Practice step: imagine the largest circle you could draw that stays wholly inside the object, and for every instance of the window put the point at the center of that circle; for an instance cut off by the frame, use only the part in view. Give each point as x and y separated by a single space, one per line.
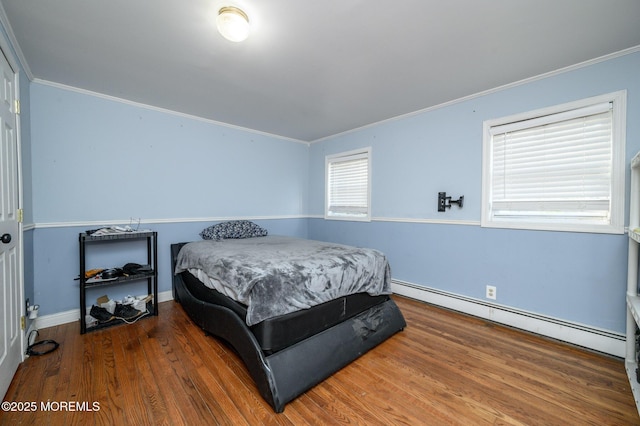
561 168
348 185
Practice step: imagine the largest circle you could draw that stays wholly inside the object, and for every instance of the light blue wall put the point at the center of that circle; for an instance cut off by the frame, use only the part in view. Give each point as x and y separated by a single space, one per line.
572 276
95 159
99 161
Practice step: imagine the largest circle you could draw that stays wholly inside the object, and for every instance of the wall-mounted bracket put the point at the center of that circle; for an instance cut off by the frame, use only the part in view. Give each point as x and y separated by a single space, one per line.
445 202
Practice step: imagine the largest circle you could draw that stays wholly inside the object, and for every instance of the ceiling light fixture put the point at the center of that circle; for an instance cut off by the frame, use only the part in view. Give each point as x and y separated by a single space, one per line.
233 23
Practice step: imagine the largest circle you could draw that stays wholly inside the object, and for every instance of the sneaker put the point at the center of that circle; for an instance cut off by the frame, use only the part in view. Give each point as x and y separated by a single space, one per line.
100 313
146 299
125 312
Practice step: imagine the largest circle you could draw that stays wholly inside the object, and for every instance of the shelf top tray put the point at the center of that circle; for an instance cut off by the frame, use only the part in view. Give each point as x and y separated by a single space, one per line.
117 236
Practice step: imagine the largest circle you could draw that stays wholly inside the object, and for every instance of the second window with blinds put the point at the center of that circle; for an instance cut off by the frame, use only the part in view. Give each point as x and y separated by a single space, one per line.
560 168
348 185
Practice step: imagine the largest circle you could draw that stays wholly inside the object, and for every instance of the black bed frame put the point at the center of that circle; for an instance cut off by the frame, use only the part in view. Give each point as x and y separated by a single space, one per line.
287 373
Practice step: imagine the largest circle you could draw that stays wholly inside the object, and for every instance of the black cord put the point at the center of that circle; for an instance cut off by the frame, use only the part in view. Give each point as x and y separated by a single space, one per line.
31 351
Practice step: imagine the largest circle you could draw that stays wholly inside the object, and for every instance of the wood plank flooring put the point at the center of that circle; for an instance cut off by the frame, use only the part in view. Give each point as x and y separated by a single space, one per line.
443 369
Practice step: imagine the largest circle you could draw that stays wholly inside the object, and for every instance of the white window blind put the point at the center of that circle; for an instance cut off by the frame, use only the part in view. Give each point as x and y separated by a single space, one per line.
557 168
348 185
561 168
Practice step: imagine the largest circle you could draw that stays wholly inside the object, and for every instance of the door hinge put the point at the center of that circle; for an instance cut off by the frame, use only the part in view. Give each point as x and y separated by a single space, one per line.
23 323
20 215
17 105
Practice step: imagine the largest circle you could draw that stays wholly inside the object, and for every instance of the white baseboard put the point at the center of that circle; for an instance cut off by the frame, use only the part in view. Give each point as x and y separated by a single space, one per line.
74 314
577 334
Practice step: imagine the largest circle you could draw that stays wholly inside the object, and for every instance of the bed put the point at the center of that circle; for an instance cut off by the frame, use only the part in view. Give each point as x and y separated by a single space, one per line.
289 339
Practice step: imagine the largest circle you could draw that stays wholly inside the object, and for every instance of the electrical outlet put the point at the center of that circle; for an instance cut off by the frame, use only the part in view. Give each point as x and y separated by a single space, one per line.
491 292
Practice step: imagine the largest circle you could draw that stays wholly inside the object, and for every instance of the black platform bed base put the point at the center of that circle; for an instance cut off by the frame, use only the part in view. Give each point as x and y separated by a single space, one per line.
283 375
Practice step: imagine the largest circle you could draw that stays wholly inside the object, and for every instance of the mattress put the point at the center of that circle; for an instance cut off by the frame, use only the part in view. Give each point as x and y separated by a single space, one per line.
277 275
279 332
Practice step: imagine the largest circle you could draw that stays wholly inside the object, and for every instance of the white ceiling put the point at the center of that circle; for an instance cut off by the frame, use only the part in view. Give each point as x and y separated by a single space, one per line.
311 69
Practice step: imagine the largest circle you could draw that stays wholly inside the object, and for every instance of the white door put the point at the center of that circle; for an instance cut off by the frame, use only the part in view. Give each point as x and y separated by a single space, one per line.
11 336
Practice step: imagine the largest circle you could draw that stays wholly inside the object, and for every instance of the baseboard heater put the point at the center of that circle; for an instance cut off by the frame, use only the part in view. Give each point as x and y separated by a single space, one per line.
578 334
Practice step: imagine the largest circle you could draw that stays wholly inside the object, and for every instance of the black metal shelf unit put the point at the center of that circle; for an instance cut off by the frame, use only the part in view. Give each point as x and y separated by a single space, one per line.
151 277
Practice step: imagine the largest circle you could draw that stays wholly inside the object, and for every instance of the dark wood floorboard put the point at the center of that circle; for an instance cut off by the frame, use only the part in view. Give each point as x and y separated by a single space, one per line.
445 368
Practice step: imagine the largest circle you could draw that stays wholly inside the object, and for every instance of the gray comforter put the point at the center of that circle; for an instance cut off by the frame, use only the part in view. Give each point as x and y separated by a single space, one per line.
275 275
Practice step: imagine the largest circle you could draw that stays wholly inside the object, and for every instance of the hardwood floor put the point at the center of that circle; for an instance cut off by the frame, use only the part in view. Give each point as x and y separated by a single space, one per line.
444 368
